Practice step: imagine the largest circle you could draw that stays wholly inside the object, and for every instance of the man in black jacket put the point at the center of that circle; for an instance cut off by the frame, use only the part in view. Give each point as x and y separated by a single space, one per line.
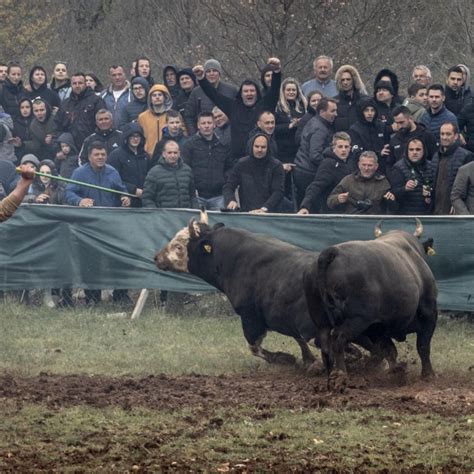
12 90
77 114
244 109
456 94
335 165
210 161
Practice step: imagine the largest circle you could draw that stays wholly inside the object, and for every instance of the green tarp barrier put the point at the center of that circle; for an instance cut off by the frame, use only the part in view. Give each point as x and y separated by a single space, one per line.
62 246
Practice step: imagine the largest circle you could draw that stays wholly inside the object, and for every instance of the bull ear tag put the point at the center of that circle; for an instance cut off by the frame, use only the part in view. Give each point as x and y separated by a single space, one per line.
207 248
431 251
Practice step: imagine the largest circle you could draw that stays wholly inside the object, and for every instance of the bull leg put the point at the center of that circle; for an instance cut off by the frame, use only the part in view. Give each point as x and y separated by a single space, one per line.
306 354
427 323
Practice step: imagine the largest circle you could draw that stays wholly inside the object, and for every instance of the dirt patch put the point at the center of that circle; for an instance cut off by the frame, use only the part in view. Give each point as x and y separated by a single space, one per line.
285 389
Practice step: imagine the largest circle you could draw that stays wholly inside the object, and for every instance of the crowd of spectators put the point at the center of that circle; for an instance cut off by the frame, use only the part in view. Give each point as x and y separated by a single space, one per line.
327 145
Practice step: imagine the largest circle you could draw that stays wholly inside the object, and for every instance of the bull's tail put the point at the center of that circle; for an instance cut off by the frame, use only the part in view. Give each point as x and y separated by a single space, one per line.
333 302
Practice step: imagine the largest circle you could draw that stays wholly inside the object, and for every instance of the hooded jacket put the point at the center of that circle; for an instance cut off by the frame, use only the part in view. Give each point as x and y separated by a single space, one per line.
265 69
153 123
242 117
67 165
182 97
180 139
261 182
7 150
416 109
173 90
456 100
39 130
21 129
132 167
10 96
397 99
47 94
135 107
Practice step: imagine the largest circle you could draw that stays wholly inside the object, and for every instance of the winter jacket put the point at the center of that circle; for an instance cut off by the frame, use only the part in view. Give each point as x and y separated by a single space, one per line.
8 177
107 177
153 123
397 98
77 115
117 106
315 139
170 186
285 136
328 89
48 95
110 138
7 150
63 91
38 132
67 165
329 174
433 122
180 139
173 90
260 181
181 98
132 167
10 96
416 109
273 147
210 161
456 100
399 141
466 122
302 123
346 110
242 117
462 193
360 189
199 102
135 106
412 202
21 129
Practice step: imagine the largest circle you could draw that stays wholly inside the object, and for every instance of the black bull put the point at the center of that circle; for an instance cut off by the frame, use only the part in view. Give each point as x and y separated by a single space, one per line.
371 292
261 276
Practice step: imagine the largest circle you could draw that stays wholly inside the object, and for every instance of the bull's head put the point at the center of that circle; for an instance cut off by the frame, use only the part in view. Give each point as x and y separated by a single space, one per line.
174 256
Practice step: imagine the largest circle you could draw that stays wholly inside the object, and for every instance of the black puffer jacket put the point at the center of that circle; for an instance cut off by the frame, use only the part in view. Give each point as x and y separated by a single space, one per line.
210 161
132 167
346 110
242 117
47 94
260 182
456 101
77 115
412 202
466 121
302 123
10 96
170 186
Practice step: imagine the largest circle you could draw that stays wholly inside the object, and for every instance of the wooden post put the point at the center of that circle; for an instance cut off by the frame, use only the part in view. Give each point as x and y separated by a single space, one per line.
137 311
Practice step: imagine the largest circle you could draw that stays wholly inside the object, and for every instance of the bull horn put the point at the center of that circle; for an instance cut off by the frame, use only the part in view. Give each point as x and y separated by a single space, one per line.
193 229
204 218
378 229
419 228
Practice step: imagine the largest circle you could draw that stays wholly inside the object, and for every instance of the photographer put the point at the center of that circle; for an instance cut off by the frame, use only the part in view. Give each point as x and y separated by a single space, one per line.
363 192
412 180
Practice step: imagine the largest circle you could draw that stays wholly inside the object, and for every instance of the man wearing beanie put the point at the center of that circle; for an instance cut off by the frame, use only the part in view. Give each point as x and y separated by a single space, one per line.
199 102
187 82
383 95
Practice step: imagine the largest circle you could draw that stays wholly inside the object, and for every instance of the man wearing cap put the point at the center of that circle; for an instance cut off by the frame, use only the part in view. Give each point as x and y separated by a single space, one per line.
30 163
199 102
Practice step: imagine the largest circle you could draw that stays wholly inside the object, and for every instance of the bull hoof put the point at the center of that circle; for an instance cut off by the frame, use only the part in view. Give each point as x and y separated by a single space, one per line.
337 381
316 368
352 353
282 358
399 373
428 375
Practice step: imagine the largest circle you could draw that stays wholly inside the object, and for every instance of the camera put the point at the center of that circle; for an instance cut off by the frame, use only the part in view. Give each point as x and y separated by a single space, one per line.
364 205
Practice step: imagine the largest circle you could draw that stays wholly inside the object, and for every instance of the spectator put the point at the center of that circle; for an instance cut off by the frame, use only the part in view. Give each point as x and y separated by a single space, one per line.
466 123
77 114
266 125
47 190
131 161
446 163
142 68
7 148
266 77
316 137
210 162
138 104
407 129
243 110
388 75
421 75
290 108
8 179
170 80
313 100
335 165
104 132
21 128
363 192
60 82
94 83
39 88
3 72
223 129
417 101
170 183
12 90
117 95
369 133
456 94
174 130
466 75
97 172
31 163
322 82
199 102
153 120
384 101
350 89
67 158
462 193
437 112
187 82
260 179
43 130
412 179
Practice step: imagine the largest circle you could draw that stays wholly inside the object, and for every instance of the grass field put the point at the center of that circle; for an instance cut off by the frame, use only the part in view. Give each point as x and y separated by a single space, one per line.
89 390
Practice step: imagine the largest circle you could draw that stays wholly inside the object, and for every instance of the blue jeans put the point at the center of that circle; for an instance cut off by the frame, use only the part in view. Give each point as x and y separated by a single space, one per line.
212 204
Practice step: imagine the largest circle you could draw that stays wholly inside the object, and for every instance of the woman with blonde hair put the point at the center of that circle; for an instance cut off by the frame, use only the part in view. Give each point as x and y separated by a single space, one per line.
351 88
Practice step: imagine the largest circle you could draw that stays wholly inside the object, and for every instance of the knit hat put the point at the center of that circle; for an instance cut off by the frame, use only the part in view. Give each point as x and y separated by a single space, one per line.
30 158
212 64
384 85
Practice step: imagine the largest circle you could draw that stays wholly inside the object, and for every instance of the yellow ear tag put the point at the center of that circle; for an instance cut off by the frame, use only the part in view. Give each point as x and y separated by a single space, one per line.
208 248
431 251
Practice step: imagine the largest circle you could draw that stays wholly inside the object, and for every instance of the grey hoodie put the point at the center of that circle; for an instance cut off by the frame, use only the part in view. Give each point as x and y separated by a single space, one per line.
67 165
